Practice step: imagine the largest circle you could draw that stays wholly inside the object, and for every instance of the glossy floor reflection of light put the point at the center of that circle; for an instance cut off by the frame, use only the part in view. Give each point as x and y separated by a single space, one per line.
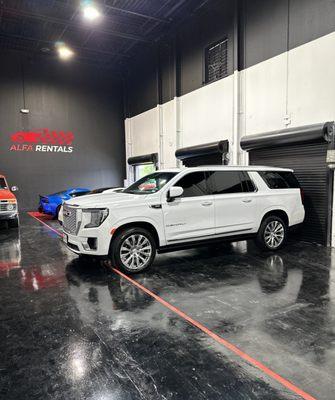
71 329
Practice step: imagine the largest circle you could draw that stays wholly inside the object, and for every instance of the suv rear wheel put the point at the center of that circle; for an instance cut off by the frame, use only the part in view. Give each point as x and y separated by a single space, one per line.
272 233
133 250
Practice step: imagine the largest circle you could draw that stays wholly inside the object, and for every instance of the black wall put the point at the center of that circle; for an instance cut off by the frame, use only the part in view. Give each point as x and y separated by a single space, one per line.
262 29
60 96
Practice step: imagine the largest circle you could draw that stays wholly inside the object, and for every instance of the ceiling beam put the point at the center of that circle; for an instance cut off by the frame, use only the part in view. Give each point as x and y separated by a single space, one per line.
49 42
69 23
137 14
171 10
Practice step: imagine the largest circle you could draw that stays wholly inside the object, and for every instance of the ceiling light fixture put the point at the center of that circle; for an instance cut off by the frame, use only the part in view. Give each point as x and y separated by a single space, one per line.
64 52
90 11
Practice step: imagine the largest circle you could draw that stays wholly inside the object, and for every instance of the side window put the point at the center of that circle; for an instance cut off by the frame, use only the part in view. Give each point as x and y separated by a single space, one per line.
279 179
222 182
194 184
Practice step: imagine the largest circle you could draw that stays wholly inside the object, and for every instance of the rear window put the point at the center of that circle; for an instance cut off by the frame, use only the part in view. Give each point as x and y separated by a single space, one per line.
279 179
222 182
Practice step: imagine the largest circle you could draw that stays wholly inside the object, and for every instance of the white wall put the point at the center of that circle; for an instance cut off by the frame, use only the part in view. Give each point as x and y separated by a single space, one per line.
202 116
265 95
142 136
299 85
311 82
207 113
143 130
169 134
292 89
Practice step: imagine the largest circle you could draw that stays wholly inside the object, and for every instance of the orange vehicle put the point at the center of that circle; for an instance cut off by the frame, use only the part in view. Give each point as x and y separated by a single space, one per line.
8 204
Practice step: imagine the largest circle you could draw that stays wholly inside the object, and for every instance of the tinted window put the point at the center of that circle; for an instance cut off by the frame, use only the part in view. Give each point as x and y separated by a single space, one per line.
194 184
279 179
222 182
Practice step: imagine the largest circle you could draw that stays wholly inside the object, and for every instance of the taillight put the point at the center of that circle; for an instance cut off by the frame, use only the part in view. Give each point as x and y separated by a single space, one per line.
302 194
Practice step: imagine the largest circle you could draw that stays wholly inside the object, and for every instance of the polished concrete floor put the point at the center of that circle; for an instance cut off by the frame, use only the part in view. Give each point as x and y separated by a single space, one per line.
74 330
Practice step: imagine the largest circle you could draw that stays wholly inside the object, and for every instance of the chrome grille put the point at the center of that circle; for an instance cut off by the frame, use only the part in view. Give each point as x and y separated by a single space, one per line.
3 207
70 219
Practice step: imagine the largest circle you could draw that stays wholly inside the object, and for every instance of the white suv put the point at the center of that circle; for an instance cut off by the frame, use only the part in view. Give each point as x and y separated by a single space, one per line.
173 209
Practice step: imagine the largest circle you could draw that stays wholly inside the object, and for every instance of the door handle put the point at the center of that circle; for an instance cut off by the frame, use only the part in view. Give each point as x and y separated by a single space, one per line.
207 203
247 201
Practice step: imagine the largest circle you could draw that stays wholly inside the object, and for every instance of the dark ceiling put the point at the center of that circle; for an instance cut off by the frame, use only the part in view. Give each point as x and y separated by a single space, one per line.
34 26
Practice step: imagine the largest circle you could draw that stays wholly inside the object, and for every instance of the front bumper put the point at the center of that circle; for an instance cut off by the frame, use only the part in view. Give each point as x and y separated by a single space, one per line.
7 215
90 241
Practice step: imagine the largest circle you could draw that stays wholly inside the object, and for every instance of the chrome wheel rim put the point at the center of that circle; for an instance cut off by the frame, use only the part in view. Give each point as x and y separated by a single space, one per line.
274 234
135 252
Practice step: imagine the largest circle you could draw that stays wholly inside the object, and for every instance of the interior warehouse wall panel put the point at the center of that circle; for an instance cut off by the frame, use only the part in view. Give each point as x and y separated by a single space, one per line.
144 133
309 163
71 98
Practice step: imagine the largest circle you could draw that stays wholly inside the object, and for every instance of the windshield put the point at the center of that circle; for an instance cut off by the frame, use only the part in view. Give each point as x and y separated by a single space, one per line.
151 183
3 184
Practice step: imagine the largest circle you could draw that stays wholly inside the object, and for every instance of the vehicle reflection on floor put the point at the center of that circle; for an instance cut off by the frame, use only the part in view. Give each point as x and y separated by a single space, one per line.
72 329
10 250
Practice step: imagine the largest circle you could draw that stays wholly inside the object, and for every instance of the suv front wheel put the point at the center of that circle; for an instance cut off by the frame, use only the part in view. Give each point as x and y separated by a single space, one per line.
272 233
133 250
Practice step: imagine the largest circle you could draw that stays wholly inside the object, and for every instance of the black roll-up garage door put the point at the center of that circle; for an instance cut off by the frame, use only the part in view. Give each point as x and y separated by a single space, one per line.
204 154
306 155
151 158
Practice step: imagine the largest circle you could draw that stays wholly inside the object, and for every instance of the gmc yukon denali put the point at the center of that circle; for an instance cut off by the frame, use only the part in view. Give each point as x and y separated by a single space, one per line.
174 209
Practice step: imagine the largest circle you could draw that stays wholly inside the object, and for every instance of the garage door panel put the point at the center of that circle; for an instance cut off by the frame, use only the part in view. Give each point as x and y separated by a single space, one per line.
309 163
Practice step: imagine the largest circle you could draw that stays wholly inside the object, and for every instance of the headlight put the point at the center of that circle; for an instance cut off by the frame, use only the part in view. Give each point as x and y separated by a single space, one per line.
96 215
10 207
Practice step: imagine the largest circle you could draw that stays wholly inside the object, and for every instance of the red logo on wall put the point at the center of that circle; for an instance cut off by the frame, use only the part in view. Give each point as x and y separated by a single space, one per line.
42 140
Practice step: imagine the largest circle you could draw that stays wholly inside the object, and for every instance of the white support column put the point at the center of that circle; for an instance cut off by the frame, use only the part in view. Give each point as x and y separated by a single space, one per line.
235 142
242 155
333 216
161 158
239 157
129 149
179 125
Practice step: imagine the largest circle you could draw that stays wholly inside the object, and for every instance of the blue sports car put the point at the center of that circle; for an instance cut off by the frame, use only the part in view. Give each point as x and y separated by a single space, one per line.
51 203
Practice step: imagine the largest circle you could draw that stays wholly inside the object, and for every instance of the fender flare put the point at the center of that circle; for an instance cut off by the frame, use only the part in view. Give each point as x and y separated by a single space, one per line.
126 221
274 208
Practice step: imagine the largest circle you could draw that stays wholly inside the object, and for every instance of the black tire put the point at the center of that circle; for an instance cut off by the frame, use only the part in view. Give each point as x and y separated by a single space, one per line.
129 235
55 217
264 239
13 223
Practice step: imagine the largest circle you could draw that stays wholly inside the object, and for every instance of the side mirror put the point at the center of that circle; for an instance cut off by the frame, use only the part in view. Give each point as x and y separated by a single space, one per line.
14 189
174 192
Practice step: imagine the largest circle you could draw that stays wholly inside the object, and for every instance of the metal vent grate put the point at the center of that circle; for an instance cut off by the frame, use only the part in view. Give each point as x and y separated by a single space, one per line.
70 219
216 62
